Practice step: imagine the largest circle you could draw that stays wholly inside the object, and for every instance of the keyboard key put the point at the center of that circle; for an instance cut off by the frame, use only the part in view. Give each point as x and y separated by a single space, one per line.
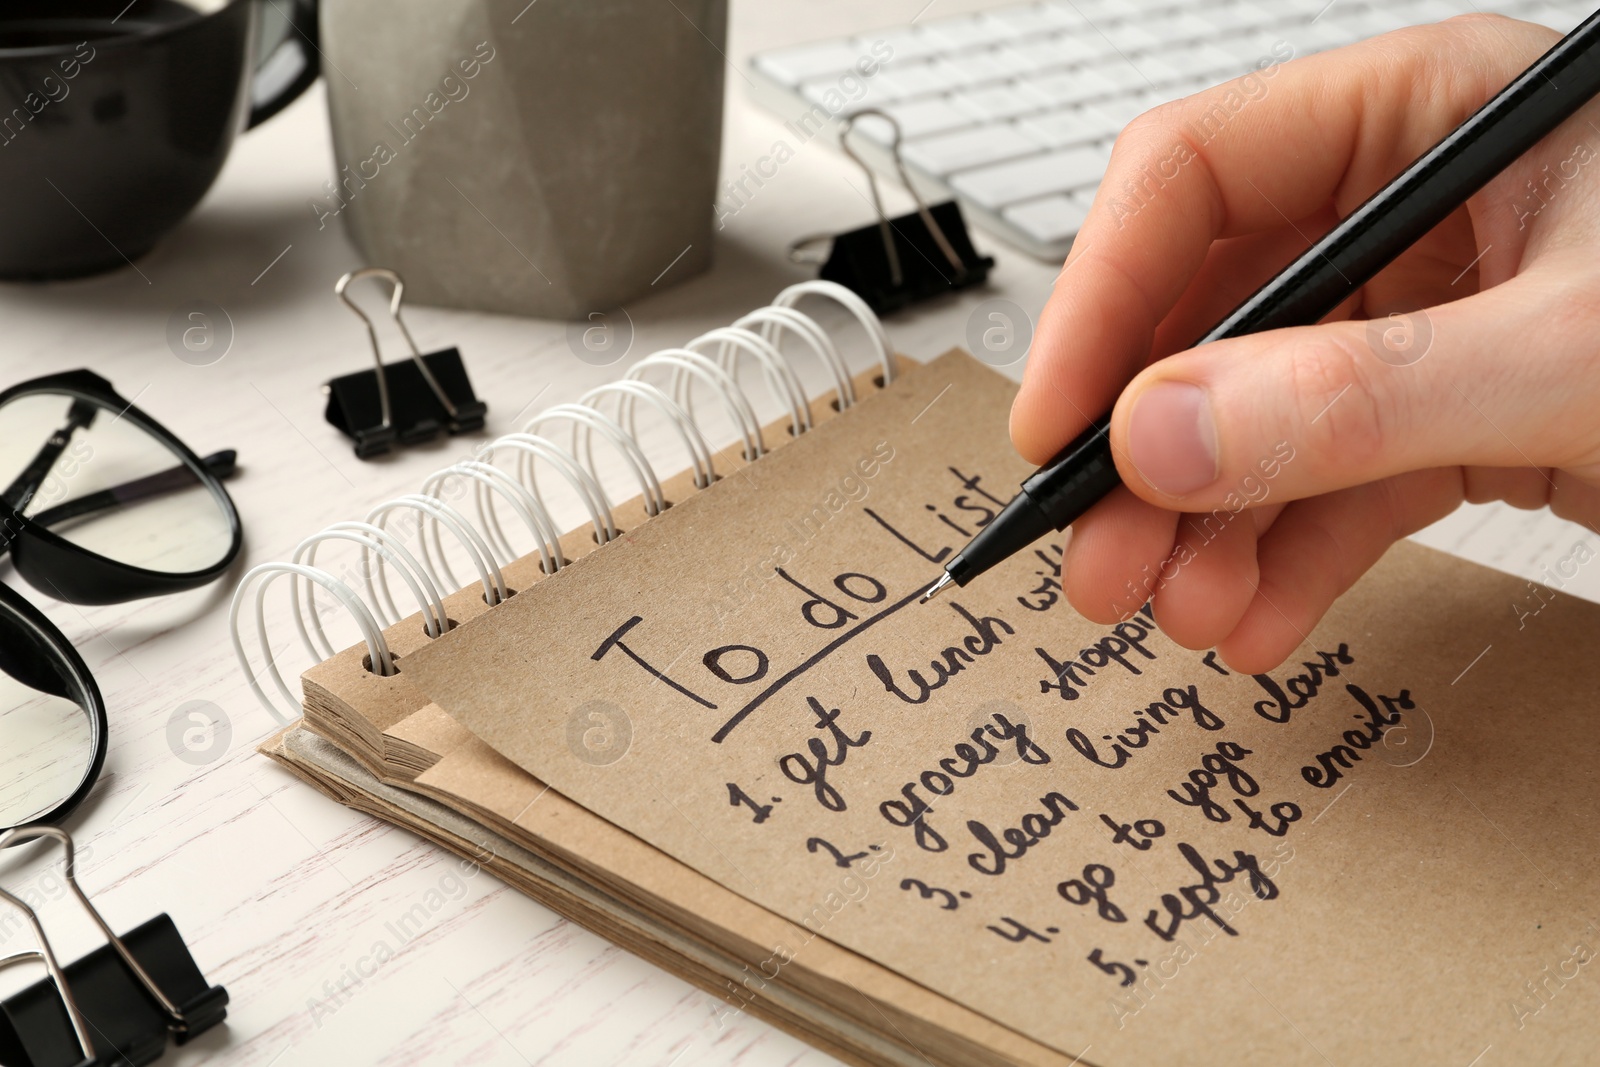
1024 179
1186 89
906 81
973 68
1232 18
1150 7
996 103
1438 10
1076 15
1034 19
905 44
917 118
1074 86
1063 50
1122 73
791 66
1048 220
1298 12
1158 73
1405 9
1369 22
827 92
1150 99
1102 12
1251 51
1020 62
1132 38
968 31
1286 15
1122 109
1200 61
950 152
1322 36
1178 28
1070 126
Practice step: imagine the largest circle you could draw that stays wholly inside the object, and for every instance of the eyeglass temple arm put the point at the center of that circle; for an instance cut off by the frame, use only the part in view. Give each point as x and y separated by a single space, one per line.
221 464
80 415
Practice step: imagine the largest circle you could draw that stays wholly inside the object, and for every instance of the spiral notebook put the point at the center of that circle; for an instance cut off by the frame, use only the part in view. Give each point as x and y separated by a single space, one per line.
985 830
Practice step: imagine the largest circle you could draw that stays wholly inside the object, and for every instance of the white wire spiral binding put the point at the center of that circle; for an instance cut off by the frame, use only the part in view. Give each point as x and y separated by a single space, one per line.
371 538
437 511
488 482
530 447
377 648
421 561
685 364
627 391
590 420
775 319
851 303
779 372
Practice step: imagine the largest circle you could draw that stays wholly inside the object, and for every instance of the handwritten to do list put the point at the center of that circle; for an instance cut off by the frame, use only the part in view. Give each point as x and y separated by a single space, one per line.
1086 832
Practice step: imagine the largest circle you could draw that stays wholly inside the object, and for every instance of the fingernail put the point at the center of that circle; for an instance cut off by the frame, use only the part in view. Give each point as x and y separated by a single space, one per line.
1172 438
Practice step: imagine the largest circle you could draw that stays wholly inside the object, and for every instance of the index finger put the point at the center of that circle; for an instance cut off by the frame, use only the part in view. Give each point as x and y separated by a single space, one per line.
1250 155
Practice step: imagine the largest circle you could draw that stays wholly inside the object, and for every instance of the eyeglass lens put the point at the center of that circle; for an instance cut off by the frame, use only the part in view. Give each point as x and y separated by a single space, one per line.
102 482
46 737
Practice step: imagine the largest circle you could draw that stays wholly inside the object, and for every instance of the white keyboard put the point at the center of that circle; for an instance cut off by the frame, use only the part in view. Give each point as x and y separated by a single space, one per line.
1012 111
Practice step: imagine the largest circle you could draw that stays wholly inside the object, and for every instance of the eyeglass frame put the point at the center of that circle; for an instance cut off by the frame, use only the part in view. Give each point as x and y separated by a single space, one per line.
88 577
76 575
17 615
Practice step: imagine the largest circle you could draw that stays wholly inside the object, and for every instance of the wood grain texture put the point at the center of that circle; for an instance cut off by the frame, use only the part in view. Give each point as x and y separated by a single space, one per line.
277 890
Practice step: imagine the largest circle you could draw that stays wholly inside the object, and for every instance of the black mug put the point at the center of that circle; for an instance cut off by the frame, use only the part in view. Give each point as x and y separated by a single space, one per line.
116 117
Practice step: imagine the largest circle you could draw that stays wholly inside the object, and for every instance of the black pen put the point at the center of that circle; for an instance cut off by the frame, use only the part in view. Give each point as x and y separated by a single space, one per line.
1392 220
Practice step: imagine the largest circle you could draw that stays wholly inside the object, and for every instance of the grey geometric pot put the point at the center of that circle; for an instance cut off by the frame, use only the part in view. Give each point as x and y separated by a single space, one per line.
547 159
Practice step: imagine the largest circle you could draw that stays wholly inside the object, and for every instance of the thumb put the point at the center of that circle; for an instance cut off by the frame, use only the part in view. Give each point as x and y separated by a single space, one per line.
1301 412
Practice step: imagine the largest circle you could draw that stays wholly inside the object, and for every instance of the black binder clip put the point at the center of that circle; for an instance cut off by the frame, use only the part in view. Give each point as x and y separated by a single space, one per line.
403 403
116 1005
899 261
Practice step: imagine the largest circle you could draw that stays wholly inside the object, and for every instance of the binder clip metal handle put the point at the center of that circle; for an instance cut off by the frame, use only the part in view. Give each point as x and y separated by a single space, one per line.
406 402
118 1004
896 275
900 264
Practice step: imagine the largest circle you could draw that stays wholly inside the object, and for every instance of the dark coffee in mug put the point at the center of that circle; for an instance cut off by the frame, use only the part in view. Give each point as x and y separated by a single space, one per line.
115 117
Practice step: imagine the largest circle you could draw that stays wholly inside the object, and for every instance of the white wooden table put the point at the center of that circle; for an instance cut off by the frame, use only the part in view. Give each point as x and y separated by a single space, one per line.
283 896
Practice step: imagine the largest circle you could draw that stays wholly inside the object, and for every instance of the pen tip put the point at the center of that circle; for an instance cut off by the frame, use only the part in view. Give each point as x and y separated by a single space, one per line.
933 590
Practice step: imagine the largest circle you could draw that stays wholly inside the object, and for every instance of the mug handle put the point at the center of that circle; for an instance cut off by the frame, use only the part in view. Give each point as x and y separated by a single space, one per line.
289 63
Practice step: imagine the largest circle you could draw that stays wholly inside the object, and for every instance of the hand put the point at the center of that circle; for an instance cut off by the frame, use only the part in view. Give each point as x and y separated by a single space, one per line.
1265 474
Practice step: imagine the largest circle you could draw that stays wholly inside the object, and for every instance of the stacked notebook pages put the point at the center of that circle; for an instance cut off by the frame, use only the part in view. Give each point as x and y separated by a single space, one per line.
374 743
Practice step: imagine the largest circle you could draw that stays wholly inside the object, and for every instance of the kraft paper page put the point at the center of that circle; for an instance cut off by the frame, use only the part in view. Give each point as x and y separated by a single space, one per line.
1087 833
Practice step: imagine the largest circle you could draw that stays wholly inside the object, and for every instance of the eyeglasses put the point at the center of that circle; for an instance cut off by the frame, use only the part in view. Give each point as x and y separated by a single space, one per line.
99 504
